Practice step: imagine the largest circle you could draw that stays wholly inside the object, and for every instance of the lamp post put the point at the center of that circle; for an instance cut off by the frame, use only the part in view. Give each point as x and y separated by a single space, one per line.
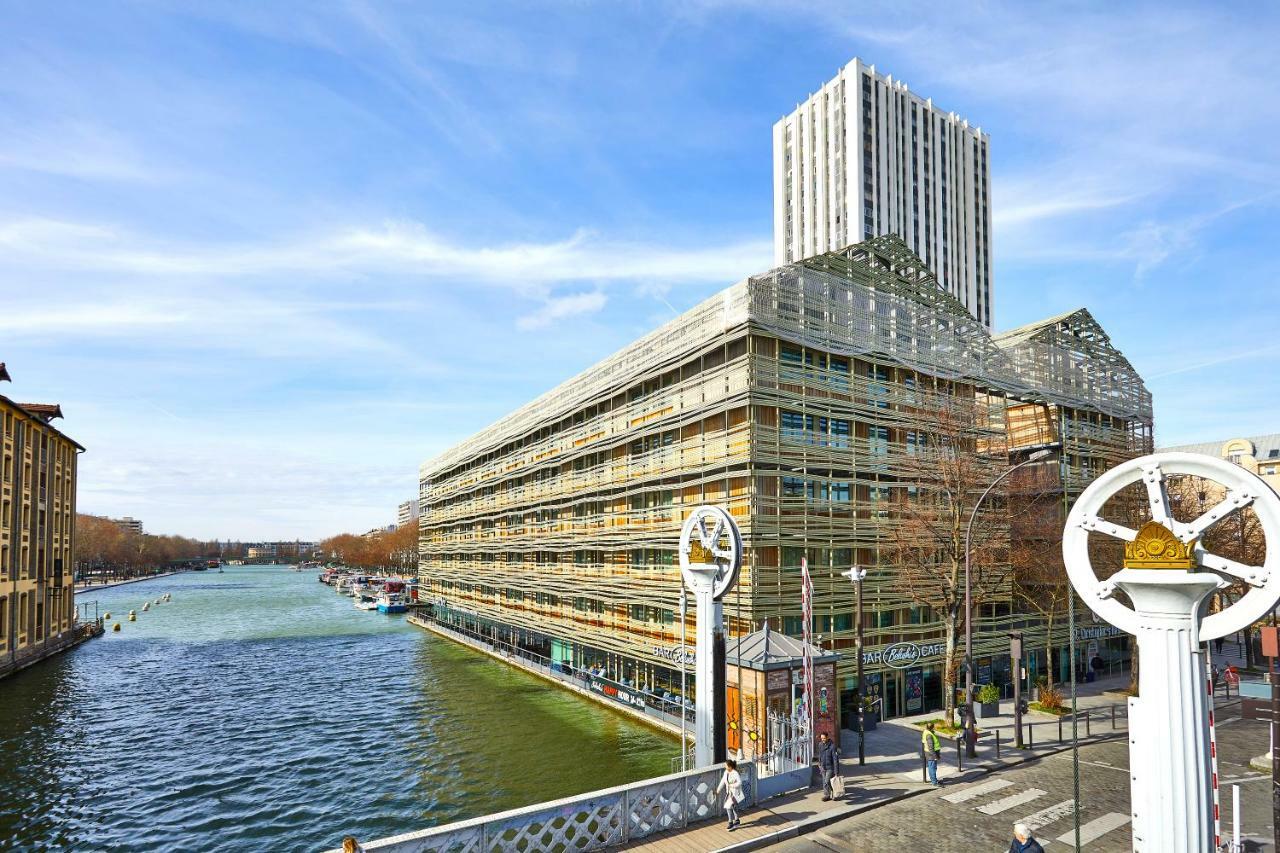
684 684
970 743
857 575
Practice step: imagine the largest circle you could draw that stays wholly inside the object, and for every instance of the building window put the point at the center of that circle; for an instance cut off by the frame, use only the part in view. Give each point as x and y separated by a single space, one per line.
1235 457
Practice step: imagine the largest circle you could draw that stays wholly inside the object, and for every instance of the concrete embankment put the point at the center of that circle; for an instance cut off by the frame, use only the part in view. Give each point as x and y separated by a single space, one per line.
97 586
666 723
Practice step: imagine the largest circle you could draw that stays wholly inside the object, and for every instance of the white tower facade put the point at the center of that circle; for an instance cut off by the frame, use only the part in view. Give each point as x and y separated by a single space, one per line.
865 156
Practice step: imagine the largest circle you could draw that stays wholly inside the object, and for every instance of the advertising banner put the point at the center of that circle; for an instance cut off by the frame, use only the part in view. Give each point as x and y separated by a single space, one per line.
915 690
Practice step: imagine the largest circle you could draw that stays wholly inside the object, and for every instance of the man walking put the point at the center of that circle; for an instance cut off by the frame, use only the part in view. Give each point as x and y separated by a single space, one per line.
932 748
1022 840
828 763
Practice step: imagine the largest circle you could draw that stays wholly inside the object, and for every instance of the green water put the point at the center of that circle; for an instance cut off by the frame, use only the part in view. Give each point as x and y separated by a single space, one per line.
260 711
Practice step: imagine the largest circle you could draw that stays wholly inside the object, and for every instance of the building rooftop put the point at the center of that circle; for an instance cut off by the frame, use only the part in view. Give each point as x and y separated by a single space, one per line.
766 649
45 411
1264 446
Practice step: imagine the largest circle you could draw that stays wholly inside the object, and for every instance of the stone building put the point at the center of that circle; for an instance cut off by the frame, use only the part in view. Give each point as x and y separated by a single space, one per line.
37 533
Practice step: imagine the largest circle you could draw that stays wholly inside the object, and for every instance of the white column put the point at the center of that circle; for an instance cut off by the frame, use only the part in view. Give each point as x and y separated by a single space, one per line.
1170 775
704 718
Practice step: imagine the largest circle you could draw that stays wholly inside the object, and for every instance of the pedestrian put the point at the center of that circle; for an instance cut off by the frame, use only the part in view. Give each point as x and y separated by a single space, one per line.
731 784
932 748
828 763
1217 645
350 845
1022 840
1098 665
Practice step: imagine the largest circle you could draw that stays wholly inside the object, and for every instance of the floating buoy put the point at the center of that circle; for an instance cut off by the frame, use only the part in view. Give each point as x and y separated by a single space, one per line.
115 627
146 605
158 600
133 617
106 615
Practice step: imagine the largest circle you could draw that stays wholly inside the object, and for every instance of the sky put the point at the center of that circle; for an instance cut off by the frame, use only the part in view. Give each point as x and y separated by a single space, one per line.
271 257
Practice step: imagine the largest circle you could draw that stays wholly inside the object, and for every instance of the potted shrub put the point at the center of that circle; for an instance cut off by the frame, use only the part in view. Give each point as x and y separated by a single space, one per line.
988 702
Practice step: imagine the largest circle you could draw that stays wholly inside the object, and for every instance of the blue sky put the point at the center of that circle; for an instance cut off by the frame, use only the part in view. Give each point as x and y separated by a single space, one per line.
270 257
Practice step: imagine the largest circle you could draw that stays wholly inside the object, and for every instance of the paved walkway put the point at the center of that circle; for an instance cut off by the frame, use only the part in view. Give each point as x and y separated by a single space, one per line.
93 587
892 772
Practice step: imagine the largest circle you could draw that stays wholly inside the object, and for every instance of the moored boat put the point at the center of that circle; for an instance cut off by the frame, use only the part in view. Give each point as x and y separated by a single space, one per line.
392 602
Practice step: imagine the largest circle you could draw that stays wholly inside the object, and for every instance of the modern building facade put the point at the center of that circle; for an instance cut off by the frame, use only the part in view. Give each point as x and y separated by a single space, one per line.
865 156
804 401
1259 454
407 513
129 524
37 532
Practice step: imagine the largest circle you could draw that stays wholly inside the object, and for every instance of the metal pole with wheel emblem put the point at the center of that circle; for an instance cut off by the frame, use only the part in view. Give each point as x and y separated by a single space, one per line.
710 558
1167 575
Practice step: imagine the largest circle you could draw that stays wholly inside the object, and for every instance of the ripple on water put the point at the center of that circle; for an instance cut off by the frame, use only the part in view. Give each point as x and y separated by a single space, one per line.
259 710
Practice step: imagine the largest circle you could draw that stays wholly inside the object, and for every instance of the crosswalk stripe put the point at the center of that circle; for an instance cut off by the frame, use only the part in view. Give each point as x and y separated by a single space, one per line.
977 791
1095 828
1006 803
1044 817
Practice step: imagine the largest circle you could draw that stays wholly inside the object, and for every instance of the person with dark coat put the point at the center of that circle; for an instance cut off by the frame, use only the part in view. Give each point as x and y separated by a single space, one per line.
828 763
1022 840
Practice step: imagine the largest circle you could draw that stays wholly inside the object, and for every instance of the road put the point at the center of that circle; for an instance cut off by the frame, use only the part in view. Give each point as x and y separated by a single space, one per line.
978 817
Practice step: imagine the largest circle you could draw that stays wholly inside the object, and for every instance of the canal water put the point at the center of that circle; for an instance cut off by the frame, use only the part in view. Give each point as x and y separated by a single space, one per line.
258 710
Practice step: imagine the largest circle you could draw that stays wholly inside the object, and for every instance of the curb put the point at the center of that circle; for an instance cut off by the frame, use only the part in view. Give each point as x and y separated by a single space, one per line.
823 819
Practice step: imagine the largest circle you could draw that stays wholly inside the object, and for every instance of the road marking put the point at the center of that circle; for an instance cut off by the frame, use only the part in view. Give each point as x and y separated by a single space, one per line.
1044 817
1101 764
1227 721
977 791
1247 778
1006 803
1095 828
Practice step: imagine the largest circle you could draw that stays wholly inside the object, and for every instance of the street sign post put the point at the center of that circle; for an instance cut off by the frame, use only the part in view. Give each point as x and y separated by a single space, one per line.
1167 574
710 558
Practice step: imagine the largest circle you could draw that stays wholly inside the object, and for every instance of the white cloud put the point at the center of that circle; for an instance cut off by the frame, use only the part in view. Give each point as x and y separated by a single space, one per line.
559 307
398 246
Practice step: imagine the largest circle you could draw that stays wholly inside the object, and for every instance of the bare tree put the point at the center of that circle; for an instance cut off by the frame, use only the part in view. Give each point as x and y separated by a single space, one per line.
1040 582
954 454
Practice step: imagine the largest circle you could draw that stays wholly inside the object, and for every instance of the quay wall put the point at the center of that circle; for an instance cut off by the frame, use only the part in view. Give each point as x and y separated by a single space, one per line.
665 723
27 656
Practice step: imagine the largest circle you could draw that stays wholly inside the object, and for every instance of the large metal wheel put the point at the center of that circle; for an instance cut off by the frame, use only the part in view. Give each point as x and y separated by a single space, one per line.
1241 489
715 530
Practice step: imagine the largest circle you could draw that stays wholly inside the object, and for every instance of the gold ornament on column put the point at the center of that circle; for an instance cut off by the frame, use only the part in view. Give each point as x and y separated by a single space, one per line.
1155 547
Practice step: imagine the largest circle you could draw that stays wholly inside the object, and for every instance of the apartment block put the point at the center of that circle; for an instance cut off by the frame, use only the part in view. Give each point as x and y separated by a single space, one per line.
865 156
37 532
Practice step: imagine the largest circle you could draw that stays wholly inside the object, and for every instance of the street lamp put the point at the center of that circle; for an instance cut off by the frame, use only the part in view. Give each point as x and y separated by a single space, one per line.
970 742
857 575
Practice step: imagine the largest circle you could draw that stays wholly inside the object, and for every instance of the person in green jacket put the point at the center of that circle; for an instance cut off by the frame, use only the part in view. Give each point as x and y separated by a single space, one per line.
932 748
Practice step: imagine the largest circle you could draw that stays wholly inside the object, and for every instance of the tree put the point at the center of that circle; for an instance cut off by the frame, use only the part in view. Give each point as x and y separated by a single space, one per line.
1036 521
957 452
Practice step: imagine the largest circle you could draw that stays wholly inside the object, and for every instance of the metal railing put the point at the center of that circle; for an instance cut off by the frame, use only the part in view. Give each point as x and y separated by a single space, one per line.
790 745
590 821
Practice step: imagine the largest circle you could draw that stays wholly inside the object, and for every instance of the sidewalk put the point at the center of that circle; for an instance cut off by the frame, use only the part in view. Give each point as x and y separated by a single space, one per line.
93 587
892 772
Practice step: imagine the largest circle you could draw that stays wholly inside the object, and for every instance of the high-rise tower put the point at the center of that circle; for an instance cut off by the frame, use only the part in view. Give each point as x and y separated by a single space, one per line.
865 156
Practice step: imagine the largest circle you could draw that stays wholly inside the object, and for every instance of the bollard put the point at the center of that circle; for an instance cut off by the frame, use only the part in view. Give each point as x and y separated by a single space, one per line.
959 754
1059 729
1113 717
997 743
1031 735
924 765
1086 724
